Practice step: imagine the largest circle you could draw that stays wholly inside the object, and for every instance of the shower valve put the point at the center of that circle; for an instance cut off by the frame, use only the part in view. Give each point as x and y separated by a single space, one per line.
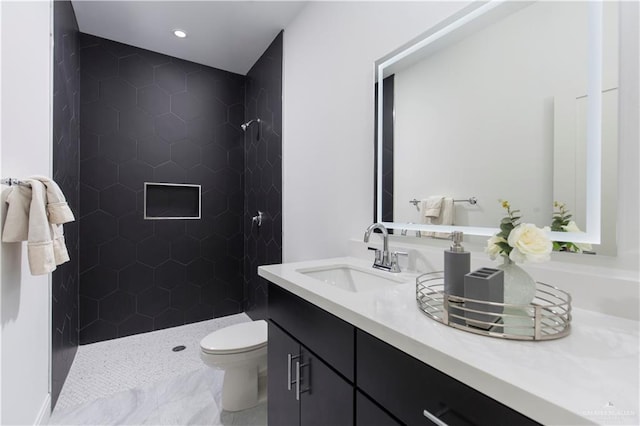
257 219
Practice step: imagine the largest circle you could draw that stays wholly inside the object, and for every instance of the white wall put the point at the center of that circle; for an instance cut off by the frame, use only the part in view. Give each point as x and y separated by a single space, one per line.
328 124
629 150
329 51
25 144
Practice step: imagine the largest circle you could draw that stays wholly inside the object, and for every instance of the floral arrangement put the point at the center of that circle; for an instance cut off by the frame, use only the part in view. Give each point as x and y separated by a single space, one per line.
519 242
562 223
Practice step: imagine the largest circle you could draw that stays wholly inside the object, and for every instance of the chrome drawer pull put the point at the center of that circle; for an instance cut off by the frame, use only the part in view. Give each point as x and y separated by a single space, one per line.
298 391
289 359
433 418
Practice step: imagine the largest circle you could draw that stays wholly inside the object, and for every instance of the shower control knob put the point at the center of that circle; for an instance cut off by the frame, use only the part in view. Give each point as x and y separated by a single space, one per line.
257 219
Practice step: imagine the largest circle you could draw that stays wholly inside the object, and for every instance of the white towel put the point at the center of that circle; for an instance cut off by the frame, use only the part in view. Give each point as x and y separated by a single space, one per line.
57 208
430 207
445 218
60 253
29 217
42 259
16 223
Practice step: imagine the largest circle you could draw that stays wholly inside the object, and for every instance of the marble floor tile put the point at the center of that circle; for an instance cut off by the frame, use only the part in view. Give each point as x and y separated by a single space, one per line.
188 394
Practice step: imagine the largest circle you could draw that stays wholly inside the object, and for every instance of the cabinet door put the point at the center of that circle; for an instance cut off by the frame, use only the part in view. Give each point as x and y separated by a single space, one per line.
283 408
369 414
325 398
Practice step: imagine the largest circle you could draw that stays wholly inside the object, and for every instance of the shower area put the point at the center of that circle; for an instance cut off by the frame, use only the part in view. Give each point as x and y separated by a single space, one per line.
125 116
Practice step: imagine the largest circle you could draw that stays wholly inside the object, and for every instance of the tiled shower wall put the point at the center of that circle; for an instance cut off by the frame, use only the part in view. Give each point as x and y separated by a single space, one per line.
263 173
147 117
66 162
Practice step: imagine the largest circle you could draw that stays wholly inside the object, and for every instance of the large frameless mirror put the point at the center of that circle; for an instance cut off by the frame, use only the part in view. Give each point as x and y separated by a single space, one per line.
506 100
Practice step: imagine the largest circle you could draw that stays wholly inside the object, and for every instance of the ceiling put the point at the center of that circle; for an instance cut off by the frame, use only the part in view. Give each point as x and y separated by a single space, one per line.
229 35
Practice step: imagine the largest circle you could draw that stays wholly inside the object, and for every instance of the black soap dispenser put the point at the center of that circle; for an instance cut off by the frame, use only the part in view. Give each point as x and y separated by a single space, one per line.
457 263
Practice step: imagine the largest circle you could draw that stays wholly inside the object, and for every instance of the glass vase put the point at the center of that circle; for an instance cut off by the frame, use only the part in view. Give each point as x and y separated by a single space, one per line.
519 289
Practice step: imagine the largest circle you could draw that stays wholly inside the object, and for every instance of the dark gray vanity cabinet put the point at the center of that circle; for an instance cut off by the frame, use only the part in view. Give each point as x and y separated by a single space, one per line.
303 389
348 377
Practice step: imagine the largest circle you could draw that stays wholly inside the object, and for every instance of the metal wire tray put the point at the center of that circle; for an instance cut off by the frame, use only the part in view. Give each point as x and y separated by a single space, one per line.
547 317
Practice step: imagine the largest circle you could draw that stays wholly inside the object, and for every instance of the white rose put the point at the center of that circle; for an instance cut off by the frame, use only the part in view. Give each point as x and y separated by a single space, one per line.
572 226
493 249
529 243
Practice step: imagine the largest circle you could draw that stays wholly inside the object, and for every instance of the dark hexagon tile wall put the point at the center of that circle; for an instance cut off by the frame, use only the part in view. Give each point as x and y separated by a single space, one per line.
151 117
263 174
66 162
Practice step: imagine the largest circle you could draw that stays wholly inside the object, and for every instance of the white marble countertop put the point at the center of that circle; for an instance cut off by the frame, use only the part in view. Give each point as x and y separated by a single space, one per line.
588 377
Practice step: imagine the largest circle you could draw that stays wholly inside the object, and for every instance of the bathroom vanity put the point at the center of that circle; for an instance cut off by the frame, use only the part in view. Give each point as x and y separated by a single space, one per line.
352 355
316 361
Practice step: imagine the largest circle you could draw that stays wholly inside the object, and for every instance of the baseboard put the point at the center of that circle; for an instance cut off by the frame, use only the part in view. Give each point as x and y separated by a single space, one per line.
45 412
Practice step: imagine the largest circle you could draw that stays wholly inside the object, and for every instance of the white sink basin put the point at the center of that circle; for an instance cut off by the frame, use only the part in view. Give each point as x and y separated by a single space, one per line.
353 278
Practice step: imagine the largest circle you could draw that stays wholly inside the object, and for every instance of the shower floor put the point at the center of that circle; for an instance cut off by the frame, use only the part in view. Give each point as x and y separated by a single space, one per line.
140 380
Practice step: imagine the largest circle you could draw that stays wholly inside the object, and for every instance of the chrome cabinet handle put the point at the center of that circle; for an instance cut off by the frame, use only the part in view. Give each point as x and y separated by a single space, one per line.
298 391
433 418
289 359
297 380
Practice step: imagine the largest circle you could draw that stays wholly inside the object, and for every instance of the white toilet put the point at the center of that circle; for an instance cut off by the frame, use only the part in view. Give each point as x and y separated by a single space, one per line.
241 351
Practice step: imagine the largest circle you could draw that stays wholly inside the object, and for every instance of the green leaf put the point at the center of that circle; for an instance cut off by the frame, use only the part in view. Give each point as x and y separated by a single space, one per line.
506 227
505 247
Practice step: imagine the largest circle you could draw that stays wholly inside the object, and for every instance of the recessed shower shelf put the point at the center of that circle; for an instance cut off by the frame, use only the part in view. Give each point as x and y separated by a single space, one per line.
547 317
171 201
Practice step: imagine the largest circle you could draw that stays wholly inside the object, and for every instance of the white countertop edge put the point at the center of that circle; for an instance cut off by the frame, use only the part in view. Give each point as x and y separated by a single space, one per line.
522 400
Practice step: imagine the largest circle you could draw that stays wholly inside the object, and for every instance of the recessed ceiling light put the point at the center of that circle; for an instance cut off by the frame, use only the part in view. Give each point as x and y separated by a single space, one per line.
179 33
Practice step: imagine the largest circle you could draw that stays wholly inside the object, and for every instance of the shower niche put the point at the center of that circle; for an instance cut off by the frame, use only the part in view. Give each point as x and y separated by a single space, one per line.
171 201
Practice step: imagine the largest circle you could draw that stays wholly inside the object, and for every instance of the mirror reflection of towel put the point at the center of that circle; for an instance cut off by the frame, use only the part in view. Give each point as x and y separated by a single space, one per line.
430 207
444 218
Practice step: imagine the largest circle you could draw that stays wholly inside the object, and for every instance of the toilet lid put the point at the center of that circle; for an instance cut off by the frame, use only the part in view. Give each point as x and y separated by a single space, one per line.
236 338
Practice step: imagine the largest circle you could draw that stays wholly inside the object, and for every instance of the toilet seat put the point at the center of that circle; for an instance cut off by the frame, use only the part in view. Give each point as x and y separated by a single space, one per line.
238 338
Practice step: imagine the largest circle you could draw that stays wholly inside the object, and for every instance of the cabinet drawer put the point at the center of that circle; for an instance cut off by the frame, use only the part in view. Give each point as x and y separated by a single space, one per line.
326 335
369 414
407 387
